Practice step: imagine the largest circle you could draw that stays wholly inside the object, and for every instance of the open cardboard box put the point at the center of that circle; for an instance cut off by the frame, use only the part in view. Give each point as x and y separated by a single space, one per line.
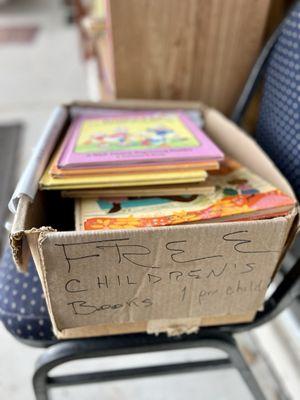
169 279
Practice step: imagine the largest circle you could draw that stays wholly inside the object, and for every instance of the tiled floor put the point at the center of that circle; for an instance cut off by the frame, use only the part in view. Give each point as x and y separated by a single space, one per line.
34 77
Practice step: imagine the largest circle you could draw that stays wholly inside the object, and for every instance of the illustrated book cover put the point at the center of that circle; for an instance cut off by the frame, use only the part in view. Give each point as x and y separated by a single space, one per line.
136 138
240 194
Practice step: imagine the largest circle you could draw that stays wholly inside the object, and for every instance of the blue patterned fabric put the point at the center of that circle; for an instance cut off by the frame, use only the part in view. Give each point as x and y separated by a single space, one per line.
278 130
23 309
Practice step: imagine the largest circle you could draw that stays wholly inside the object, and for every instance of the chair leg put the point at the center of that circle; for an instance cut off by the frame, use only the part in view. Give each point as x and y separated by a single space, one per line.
50 358
243 368
39 383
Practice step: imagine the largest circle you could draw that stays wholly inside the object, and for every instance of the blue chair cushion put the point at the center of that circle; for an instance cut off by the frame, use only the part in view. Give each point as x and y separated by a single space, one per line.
23 309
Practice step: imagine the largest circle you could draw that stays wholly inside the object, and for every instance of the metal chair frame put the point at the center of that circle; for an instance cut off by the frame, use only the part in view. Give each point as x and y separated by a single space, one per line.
221 337
134 344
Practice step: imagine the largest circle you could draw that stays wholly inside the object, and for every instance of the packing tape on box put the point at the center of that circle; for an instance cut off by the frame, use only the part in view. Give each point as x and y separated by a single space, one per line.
29 181
174 327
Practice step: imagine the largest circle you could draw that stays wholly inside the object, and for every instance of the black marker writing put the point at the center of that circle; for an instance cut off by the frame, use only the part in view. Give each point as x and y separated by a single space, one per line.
217 274
183 294
249 268
69 285
176 251
140 250
241 242
81 307
68 259
129 252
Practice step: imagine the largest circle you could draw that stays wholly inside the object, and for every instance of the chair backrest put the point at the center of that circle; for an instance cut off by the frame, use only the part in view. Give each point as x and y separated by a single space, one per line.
278 132
278 129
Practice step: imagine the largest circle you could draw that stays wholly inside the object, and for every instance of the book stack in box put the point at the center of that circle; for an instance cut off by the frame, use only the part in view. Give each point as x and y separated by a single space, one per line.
134 169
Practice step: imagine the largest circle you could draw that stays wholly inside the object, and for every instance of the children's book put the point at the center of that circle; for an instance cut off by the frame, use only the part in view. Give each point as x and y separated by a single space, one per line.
180 166
142 191
47 181
240 195
176 166
136 138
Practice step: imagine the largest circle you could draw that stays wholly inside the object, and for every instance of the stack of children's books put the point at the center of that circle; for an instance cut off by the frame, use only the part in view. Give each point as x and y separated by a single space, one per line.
134 169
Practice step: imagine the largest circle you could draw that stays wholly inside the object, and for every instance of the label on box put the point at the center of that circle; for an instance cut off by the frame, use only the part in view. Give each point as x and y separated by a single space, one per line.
160 273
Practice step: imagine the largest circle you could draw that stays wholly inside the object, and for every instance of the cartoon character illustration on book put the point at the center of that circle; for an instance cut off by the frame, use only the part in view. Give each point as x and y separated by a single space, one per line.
122 137
240 194
112 206
239 186
173 131
101 139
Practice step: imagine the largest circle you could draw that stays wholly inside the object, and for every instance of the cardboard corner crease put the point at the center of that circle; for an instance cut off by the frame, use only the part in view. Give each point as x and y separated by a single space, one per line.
168 279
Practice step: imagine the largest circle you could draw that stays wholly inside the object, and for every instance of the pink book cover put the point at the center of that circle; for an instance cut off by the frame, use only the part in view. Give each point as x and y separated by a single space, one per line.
141 137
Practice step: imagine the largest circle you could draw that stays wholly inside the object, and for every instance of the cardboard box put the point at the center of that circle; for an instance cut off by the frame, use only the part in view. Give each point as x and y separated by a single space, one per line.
172 279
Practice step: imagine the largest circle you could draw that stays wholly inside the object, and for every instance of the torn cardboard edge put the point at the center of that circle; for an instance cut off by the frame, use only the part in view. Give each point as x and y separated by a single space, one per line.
26 223
18 242
263 165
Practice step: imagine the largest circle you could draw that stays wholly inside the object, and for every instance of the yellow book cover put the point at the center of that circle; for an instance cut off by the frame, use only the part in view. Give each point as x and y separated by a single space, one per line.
121 180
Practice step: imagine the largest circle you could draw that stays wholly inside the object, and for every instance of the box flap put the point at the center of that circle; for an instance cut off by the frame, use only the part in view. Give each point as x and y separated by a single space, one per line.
28 216
243 148
133 104
28 183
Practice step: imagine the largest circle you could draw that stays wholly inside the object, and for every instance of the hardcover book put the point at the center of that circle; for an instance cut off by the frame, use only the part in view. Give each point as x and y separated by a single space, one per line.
48 182
136 138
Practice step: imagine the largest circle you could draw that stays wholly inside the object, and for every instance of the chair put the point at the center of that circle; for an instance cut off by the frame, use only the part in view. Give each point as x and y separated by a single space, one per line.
37 332
278 125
